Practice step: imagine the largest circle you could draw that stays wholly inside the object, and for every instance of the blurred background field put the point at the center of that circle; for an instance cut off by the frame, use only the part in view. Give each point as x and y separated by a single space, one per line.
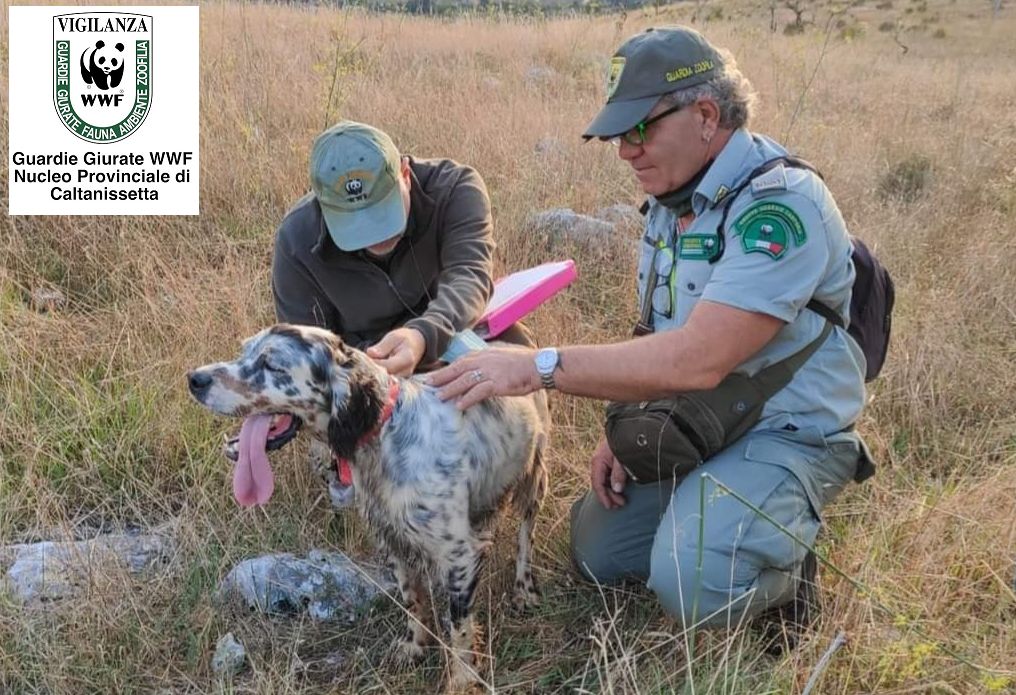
908 109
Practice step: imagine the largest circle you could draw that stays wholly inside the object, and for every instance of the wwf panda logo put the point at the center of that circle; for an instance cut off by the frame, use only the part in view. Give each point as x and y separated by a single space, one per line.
354 187
102 66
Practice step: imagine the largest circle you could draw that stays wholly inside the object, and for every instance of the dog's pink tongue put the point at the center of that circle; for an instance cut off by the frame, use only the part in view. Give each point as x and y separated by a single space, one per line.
253 481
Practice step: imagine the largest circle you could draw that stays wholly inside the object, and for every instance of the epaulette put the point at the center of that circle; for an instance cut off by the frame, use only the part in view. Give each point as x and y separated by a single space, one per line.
772 181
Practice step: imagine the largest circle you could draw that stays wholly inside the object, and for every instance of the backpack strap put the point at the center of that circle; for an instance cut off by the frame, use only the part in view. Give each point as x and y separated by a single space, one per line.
825 312
772 379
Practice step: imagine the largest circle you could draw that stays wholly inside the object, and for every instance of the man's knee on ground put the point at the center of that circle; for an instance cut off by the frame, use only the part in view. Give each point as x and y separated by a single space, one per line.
725 592
610 546
591 558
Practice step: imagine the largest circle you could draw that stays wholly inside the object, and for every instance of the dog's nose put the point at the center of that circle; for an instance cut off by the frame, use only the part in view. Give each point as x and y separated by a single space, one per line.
199 382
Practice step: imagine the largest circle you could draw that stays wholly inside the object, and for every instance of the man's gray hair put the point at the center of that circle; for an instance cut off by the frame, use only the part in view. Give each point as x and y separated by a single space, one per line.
731 91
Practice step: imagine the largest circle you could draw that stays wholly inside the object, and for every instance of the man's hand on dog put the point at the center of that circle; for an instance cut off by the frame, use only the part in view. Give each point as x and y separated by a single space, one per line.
399 351
607 476
485 373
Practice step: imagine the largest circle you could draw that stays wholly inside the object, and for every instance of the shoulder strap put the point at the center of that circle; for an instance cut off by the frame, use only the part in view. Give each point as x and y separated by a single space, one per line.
776 376
825 312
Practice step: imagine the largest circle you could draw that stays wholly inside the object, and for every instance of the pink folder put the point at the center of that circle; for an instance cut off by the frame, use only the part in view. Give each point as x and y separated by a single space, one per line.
518 294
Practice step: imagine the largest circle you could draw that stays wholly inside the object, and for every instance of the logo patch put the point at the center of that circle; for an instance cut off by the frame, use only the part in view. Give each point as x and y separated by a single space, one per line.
769 228
353 185
614 74
102 73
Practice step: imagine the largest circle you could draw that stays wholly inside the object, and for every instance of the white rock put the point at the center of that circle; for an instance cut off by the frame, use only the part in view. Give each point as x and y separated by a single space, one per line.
620 213
230 656
549 146
55 570
329 586
540 75
47 299
567 224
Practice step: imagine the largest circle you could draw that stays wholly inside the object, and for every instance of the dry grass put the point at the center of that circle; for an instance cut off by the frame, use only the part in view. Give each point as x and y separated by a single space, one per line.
96 430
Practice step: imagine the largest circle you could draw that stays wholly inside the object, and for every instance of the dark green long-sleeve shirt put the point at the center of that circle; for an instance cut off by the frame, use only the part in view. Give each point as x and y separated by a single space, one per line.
437 280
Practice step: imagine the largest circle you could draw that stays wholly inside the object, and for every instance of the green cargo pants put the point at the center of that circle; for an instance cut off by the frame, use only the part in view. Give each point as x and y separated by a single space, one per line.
747 565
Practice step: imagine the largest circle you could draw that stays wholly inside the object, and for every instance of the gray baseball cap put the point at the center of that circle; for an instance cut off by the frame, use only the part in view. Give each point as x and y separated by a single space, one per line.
354 171
658 61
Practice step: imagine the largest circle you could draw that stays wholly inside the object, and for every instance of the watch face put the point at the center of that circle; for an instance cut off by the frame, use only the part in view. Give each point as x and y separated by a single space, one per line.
546 360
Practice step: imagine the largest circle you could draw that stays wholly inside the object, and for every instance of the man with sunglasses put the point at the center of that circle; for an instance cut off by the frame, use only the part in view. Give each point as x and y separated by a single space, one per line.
729 264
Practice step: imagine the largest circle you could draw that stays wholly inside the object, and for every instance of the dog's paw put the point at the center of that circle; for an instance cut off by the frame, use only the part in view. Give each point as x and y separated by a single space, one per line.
526 594
462 679
408 652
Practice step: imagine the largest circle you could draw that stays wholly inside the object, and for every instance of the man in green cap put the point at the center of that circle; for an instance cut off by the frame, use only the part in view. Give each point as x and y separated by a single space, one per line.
737 244
392 253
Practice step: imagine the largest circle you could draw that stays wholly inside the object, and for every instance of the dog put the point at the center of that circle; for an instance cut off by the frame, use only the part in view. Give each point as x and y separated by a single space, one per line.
430 480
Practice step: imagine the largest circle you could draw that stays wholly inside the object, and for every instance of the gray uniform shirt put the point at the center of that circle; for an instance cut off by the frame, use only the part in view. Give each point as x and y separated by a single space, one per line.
785 243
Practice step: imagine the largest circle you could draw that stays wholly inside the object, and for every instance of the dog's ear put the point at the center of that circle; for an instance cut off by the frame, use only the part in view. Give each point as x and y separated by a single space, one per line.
356 402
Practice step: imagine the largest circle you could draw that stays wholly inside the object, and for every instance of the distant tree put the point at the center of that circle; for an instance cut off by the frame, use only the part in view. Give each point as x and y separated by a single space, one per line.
799 7
420 6
699 6
896 38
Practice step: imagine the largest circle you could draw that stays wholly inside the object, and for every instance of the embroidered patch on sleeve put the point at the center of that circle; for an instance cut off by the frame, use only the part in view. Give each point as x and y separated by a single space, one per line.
769 228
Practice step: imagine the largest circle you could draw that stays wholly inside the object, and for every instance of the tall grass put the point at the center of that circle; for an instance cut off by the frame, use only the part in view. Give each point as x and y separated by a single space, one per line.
97 432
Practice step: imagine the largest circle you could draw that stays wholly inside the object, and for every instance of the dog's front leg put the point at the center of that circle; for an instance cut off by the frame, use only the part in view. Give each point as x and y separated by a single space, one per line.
462 566
416 599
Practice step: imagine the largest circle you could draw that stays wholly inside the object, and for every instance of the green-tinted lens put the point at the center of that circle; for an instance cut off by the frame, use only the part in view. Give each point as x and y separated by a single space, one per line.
636 136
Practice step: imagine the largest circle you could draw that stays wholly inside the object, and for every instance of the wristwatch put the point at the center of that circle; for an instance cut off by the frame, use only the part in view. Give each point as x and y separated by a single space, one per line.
547 361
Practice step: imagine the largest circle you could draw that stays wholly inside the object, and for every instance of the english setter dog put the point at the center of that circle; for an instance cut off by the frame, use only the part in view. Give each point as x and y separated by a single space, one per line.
429 479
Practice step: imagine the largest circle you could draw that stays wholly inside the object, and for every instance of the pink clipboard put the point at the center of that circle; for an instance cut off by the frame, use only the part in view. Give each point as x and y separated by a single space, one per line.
518 294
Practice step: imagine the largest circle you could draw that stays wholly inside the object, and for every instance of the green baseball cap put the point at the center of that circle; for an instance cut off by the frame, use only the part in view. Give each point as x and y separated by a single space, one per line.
658 61
354 171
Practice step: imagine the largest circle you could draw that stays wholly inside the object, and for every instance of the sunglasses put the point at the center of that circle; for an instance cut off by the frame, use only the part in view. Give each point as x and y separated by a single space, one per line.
637 135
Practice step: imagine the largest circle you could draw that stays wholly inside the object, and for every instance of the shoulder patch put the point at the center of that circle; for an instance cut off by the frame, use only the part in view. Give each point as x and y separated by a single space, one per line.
773 180
769 228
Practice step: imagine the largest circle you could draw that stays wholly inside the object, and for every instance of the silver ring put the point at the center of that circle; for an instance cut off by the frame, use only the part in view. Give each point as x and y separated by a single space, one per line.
477 376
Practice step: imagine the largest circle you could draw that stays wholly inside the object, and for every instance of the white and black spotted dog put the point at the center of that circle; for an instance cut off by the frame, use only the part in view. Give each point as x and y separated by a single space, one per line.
429 479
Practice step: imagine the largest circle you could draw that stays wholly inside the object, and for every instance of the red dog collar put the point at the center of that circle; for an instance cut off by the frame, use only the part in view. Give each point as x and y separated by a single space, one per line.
341 464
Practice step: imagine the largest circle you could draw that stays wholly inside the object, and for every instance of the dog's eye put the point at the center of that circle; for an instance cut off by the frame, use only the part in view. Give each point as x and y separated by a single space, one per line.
264 363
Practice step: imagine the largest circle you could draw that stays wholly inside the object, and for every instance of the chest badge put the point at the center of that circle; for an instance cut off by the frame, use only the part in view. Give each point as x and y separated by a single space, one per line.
699 247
